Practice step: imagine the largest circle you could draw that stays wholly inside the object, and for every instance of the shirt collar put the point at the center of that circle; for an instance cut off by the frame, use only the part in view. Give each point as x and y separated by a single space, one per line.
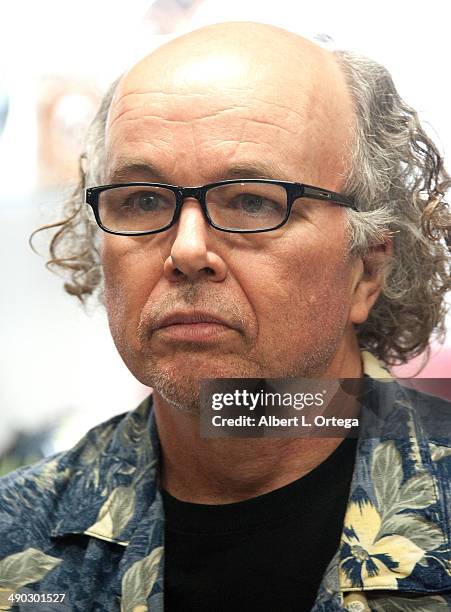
110 477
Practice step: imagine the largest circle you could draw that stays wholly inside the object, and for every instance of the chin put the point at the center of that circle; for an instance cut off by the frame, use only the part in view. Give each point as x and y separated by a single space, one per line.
178 383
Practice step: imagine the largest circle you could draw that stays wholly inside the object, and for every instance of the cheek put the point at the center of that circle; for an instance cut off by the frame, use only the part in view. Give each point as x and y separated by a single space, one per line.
130 275
303 288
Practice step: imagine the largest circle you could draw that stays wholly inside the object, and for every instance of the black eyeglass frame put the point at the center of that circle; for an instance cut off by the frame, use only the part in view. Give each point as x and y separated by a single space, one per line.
294 191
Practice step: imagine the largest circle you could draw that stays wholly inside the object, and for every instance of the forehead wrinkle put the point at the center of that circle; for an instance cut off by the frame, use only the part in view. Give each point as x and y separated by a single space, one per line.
171 119
122 104
230 101
271 124
271 114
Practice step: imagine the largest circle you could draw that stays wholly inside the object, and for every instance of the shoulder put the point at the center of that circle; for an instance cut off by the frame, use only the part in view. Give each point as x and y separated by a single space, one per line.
30 496
46 472
389 393
434 414
433 411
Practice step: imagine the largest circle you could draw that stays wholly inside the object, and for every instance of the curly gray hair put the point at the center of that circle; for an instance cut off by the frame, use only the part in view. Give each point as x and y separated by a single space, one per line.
398 180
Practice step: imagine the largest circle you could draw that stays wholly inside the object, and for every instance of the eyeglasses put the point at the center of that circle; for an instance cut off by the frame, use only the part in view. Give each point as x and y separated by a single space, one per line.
240 206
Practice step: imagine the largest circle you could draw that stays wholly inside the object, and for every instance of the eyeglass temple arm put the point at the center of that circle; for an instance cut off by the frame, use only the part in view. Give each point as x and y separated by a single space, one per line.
316 193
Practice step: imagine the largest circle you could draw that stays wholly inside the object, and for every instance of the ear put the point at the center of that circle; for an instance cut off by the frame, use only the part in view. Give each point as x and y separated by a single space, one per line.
368 281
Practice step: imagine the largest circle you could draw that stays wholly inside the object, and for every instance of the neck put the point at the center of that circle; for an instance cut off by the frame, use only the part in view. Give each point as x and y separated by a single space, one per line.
226 470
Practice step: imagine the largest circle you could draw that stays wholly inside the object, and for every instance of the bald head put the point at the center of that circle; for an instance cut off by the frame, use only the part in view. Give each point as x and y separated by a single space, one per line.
225 54
273 76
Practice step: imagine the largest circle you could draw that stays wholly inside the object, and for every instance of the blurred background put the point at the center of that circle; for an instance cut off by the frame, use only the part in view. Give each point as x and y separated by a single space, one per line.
60 372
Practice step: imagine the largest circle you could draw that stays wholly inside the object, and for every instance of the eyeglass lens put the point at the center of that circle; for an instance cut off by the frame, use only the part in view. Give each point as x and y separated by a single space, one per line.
248 206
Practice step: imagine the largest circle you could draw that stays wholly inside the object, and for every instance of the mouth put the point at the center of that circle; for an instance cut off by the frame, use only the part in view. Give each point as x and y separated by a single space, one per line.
192 326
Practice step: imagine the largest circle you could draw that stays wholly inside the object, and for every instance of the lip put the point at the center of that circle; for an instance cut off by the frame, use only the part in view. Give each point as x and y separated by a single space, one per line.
191 318
193 326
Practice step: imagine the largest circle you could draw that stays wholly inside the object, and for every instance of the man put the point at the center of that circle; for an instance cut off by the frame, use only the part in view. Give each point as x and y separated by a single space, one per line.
355 259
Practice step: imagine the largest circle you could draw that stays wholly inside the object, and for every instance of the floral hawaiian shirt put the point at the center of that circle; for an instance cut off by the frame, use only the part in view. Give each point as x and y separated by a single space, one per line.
83 530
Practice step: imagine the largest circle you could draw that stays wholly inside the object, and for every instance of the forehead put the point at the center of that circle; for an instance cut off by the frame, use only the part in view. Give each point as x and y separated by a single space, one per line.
223 109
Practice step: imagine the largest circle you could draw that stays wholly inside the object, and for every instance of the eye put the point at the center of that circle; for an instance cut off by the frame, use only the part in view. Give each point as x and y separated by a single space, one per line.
252 203
146 201
255 204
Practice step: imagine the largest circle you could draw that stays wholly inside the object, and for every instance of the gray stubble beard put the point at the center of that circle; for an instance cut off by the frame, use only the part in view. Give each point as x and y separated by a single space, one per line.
166 385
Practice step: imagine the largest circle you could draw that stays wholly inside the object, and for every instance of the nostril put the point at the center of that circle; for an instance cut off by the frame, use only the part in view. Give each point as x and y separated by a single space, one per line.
207 270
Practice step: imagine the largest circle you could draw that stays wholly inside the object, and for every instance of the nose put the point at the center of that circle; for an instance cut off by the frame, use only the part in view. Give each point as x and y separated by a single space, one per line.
192 255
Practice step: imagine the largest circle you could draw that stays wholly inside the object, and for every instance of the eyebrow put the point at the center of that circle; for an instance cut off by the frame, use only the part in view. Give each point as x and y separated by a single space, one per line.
257 169
124 169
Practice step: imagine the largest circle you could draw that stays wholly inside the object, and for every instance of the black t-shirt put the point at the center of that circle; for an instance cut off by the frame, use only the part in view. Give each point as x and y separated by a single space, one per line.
267 553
